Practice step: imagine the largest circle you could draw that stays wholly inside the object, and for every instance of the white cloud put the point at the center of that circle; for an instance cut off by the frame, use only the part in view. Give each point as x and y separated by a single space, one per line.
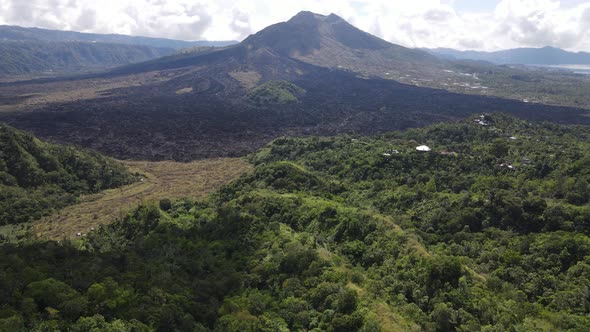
540 23
416 23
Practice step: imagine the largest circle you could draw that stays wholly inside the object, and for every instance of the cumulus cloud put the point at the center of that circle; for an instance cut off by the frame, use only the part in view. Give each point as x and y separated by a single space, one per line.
438 15
241 23
419 23
86 20
539 23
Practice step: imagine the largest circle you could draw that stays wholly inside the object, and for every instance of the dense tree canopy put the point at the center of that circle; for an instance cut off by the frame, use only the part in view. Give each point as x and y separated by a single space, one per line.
488 231
37 177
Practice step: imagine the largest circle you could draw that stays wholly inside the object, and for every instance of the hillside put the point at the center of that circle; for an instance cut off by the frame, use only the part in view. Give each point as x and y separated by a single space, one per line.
20 58
527 56
322 41
329 41
16 33
37 178
160 181
203 103
488 231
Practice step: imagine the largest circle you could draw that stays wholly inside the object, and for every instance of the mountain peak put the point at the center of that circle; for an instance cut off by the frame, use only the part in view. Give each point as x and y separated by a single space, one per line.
302 15
308 31
333 18
307 17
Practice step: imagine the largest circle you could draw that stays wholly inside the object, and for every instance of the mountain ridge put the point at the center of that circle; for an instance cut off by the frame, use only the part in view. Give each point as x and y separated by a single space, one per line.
11 32
547 55
308 25
200 104
37 178
320 40
32 57
330 41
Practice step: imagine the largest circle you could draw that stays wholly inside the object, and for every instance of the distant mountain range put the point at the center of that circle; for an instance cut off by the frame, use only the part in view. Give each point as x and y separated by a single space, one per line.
528 56
311 75
34 51
8 32
32 57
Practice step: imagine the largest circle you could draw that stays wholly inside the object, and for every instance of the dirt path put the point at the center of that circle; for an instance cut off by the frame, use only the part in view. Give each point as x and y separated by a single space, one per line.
161 180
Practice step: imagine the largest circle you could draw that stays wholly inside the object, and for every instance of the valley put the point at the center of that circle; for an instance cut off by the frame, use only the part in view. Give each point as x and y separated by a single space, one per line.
578 69
312 177
159 181
347 233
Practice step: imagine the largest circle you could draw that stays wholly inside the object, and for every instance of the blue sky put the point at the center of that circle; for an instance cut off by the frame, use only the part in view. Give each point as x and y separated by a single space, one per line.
475 6
487 6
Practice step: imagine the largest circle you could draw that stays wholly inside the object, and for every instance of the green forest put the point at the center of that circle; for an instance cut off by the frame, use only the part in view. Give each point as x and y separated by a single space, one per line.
37 178
487 231
275 92
34 57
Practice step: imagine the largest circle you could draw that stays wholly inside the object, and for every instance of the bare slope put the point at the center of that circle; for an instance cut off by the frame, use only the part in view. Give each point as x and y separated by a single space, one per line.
199 104
161 180
329 41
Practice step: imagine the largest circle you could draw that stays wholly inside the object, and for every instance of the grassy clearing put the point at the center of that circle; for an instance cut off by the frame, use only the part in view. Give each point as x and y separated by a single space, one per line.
276 92
248 79
165 179
32 95
390 321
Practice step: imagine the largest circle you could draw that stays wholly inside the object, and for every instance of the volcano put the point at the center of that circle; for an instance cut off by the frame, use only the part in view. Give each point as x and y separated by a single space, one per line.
311 75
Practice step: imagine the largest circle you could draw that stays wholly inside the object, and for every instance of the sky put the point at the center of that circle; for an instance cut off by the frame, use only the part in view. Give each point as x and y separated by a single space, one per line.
462 24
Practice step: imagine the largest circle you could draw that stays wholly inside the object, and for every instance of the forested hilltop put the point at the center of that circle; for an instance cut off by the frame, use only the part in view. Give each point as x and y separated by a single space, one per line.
54 58
36 177
486 231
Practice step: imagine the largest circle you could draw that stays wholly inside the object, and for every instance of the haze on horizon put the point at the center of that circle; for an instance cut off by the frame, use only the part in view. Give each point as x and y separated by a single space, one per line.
460 24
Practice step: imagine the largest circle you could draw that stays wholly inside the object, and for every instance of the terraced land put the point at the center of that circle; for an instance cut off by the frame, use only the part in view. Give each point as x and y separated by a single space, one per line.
161 180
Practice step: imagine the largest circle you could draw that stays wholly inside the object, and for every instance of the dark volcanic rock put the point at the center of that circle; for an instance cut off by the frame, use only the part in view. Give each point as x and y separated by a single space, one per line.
198 105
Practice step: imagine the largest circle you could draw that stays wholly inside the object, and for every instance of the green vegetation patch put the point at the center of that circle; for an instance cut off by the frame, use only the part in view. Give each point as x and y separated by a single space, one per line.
276 92
339 234
37 177
45 57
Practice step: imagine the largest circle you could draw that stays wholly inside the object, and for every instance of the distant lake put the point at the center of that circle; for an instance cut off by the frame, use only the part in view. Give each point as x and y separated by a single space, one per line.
579 69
